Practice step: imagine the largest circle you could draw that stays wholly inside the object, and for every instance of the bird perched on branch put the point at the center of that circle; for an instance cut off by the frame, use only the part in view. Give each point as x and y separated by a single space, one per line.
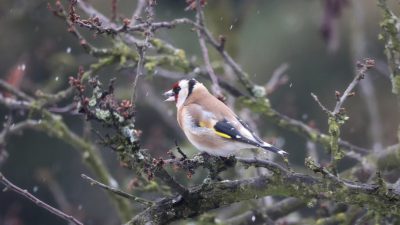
209 124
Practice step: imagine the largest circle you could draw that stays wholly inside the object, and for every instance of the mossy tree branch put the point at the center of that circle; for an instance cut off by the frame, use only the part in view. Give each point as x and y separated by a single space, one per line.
54 126
213 195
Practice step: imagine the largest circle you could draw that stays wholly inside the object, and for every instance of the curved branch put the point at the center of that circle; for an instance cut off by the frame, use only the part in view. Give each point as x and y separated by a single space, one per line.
37 201
283 183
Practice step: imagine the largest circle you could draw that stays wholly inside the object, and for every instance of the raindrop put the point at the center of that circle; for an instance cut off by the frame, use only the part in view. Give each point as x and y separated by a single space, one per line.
113 183
80 207
57 78
197 70
290 85
68 50
253 218
22 67
35 189
231 27
304 116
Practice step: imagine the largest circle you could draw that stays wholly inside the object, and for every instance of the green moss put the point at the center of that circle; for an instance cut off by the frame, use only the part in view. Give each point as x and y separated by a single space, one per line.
260 105
334 132
339 218
259 91
396 84
392 44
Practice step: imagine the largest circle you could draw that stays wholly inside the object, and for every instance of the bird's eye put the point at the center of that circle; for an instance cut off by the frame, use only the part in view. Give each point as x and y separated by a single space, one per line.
176 90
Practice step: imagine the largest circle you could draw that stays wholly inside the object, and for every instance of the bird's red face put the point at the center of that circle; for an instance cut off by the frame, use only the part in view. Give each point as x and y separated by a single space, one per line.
180 91
173 94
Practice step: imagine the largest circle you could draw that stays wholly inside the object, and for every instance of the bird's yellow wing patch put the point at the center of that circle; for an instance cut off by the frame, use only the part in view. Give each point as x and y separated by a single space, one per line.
222 134
210 125
205 124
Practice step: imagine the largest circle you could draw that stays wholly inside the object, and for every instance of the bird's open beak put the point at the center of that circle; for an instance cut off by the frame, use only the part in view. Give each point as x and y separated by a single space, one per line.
170 96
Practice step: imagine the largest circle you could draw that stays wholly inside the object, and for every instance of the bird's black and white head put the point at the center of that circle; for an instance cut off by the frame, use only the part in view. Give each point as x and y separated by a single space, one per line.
182 90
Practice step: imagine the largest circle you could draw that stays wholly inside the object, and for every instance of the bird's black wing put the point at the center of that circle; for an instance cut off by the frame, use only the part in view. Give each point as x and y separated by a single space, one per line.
225 129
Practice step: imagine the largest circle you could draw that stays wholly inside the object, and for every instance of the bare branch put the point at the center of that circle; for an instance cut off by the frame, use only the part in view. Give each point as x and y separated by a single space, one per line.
141 48
117 191
320 104
38 202
9 88
278 78
16 128
138 11
200 20
363 67
13 103
139 71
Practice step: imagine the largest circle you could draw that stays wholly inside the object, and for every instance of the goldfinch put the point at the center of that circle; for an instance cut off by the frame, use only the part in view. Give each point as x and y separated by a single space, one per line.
209 124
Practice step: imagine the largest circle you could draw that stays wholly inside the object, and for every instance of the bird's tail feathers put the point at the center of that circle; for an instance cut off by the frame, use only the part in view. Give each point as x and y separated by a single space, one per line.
274 149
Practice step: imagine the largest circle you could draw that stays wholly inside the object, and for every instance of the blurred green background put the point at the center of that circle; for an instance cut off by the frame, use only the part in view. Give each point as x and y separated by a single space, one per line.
261 36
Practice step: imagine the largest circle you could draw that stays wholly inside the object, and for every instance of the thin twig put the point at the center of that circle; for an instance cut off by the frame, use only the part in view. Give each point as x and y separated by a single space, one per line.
9 88
16 128
38 202
184 156
47 178
142 47
139 8
117 191
90 11
363 67
242 76
200 20
320 104
12 103
139 72
278 78
311 164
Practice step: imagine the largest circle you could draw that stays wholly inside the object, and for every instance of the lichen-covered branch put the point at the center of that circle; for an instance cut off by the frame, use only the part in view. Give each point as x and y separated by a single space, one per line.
390 34
282 183
54 126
